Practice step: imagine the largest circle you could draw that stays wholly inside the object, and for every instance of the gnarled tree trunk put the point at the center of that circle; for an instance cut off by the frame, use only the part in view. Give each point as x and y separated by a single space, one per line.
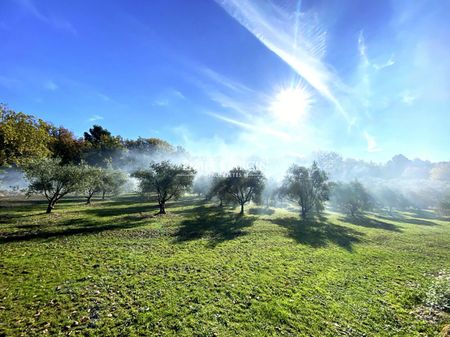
51 205
162 208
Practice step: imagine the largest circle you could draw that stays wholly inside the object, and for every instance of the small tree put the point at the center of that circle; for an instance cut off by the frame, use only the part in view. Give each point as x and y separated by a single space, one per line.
244 186
112 182
218 189
92 182
444 206
53 180
307 187
351 198
166 180
391 199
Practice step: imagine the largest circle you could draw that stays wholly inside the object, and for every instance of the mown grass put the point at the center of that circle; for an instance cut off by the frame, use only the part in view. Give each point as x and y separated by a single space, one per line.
114 269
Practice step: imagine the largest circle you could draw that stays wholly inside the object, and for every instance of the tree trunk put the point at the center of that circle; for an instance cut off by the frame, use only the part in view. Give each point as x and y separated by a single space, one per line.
88 201
221 202
162 208
103 195
303 213
242 210
49 207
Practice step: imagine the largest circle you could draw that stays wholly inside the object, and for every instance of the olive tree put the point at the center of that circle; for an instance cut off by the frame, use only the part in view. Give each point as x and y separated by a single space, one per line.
391 199
166 181
307 187
53 180
244 185
112 182
218 189
92 181
351 198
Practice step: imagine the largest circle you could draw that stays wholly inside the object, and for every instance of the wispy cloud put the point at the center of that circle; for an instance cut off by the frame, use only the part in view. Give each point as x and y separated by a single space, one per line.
388 63
372 145
8 82
167 97
230 94
55 22
161 102
366 62
362 48
296 38
50 85
94 118
178 94
363 87
264 129
225 81
407 97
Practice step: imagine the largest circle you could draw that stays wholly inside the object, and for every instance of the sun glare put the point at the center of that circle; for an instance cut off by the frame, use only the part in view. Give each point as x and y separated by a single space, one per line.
291 105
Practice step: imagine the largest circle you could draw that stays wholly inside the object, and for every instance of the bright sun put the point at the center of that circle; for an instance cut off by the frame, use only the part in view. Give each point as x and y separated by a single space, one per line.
291 105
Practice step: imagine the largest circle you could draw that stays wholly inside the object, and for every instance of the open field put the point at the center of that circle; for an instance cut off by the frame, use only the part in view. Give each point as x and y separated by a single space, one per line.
113 268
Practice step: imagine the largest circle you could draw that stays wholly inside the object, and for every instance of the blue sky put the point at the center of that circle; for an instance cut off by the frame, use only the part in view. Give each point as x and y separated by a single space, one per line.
367 79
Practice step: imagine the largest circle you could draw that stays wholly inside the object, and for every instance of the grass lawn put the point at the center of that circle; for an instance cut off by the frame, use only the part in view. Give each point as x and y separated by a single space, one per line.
114 269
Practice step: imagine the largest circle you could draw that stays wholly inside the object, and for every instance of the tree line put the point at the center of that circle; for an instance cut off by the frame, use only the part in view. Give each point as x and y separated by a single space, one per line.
56 164
308 188
24 137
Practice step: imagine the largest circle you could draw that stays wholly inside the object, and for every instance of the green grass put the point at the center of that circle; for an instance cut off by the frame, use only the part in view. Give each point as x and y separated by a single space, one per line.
114 269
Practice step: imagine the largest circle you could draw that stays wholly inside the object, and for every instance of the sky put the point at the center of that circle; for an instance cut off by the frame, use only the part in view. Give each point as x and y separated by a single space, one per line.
366 79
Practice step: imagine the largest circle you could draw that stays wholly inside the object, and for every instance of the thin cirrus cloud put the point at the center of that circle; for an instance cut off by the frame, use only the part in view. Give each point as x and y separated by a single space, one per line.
230 94
58 23
250 107
95 118
261 129
50 85
297 38
169 96
407 97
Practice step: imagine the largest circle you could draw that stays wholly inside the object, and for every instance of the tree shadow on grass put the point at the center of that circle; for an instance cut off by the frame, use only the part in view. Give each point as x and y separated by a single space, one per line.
214 223
261 211
136 204
9 218
426 214
364 221
71 227
118 211
318 232
405 220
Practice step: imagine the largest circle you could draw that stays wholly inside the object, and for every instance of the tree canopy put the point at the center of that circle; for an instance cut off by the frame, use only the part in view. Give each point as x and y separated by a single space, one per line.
306 187
22 137
244 185
165 181
351 198
53 180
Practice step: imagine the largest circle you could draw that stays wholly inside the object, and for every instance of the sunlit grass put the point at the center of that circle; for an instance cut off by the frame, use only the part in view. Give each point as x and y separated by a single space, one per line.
114 268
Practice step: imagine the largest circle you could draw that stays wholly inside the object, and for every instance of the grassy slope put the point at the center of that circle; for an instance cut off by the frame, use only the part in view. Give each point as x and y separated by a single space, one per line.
113 269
